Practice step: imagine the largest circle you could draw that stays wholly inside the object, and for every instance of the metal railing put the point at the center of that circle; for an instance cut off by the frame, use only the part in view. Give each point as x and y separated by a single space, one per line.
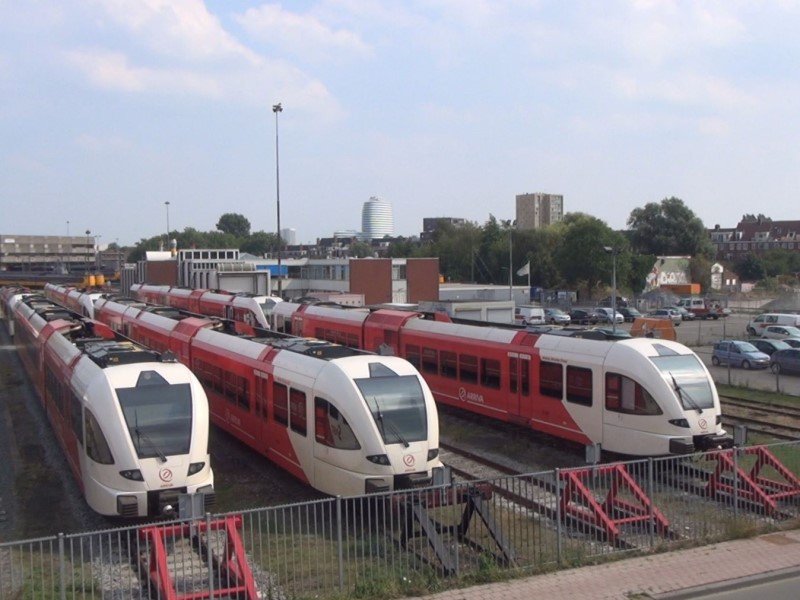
409 543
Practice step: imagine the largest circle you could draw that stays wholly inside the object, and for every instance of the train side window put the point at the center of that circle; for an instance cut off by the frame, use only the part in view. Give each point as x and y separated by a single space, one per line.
412 355
76 410
525 372
331 428
551 379
468 368
579 385
262 393
490 373
449 364
297 407
96 445
280 403
430 361
513 375
625 395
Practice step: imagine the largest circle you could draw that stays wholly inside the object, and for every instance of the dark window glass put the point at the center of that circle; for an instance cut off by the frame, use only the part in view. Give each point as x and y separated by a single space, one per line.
280 403
579 385
525 372
158 416
513 375
449 364
430 361
468 368
397 404
413 355
96 445
490 373
551 379
297 407
331 428
625 395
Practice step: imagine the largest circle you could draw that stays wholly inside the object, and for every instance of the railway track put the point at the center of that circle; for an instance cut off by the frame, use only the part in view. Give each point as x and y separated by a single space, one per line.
779 422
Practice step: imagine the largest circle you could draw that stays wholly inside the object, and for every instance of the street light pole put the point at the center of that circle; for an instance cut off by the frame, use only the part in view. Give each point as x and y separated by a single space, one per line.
166 203
277 108
613 252
88 233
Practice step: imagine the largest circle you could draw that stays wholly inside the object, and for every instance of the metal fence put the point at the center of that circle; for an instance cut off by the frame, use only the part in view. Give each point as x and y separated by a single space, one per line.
416 542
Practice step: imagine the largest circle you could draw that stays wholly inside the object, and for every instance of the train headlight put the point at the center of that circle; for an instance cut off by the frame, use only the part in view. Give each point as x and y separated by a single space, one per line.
132 474
379 459
679 423
433 453
196 467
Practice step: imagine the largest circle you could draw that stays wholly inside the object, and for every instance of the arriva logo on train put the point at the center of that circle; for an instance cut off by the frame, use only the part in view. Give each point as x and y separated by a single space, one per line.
408 460
703 424
470 396
165 475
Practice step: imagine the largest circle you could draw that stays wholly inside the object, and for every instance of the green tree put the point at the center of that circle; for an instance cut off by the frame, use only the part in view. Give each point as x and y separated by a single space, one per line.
669 228
360 249
750 268
580 254
260 243
234 224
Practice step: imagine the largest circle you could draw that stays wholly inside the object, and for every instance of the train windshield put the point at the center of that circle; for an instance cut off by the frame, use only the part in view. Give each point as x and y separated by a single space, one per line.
158 416
398 406
686 376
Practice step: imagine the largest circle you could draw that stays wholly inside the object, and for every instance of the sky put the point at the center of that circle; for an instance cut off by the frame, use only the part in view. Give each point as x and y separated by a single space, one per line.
111 108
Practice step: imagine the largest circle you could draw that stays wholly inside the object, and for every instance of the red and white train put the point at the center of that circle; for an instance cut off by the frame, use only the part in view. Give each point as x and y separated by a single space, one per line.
132 423
344 421
640 397
247 308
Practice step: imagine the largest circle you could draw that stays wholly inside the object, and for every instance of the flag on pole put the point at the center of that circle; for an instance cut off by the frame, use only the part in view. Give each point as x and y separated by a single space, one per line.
525 270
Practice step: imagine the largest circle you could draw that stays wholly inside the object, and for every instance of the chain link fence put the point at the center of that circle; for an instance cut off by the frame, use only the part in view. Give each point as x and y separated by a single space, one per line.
421 541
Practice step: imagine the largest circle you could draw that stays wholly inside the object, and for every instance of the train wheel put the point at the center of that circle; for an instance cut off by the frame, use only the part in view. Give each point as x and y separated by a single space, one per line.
745 364
715 361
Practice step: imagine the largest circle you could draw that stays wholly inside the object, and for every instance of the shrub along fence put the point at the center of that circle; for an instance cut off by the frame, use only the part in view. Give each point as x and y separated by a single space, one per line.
408 543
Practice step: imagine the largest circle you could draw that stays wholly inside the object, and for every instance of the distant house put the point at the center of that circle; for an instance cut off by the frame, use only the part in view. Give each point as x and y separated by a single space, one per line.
755 235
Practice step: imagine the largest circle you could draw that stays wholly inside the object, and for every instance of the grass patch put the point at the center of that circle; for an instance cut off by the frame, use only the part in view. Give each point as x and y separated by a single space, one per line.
763 396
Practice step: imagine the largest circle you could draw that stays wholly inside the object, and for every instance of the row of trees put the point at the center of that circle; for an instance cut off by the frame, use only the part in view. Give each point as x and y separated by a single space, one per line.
570 254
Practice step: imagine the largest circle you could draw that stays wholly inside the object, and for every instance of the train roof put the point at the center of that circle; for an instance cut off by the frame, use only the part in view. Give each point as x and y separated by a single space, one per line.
311 347
111 353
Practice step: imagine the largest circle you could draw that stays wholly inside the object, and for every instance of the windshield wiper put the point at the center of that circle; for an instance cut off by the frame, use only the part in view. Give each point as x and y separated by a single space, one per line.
391 425
687 396
140 435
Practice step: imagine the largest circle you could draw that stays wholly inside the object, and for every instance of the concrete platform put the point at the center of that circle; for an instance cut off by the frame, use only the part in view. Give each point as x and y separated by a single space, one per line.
691 573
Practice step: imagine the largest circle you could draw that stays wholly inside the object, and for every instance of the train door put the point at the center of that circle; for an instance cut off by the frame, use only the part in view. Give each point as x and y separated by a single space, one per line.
262 383
583 398
229 312
519 385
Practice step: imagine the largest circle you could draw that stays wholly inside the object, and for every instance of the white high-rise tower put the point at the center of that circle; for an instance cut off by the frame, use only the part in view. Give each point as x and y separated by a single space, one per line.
376 218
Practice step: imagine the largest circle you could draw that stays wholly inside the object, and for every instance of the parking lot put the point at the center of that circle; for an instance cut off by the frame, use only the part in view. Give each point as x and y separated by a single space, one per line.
701 335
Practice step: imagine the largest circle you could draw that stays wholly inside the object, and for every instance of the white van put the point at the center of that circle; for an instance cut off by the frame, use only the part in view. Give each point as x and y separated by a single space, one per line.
529 315
761 322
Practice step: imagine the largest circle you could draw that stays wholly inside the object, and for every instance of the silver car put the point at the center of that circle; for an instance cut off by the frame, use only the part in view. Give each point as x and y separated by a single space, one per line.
666 313
779 332
556 316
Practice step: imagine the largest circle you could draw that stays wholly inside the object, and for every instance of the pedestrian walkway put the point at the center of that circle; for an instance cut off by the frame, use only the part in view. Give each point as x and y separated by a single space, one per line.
653 576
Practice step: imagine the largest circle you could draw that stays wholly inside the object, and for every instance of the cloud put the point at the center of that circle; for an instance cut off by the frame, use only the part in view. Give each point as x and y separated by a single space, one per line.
112 70
184 30
300 34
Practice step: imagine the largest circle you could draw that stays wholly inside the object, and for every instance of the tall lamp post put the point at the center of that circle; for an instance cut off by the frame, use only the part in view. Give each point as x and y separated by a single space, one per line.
166 203
277 108
88 253
613 252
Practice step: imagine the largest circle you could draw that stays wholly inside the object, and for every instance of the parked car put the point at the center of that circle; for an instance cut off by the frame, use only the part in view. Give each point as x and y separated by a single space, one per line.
607 315
621 301
761 322
529 315
629 313
686 315
556 316
739 354
665 313
778 332
792 341
582 316
768 346
787 361
605 333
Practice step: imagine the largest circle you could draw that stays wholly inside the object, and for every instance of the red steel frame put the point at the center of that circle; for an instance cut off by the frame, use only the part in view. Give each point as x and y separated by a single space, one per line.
233 567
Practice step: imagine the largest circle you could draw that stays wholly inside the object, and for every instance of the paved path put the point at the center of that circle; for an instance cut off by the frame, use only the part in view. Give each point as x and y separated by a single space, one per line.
682 573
